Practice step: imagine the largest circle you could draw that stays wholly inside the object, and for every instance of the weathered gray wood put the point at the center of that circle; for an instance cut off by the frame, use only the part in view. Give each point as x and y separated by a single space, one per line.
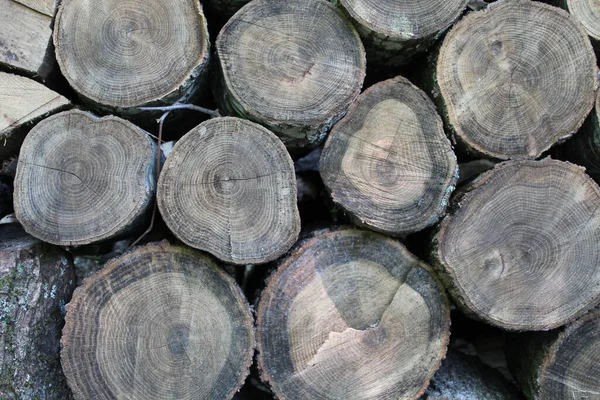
26 36
23 103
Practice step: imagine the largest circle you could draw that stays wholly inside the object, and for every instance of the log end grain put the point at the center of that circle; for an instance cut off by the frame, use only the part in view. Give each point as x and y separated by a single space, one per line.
388 162
351 314
293 67
520 247
160 322
119 55
228 187
516 78
81 179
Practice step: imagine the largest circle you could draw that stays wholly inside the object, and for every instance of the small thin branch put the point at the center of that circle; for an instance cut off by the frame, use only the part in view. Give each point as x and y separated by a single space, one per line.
179 106
160 121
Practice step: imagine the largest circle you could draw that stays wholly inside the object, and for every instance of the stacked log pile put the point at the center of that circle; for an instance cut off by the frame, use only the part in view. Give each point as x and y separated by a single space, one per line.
299 237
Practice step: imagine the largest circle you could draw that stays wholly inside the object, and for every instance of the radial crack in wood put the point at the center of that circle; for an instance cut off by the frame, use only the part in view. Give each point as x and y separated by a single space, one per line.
519 249
120 55
23 103
82 180
388 162
351 314
228 187
160 322
516 78
393 31
294 67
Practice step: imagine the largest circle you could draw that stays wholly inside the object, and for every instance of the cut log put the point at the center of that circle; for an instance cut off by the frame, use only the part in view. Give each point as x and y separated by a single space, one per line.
161 322
393 31
561 364
82 180
122 54
519 249
584 148
36 280
351 315
516 78
23 103
294 67
587 12
388 162
228 187
466 378
26 36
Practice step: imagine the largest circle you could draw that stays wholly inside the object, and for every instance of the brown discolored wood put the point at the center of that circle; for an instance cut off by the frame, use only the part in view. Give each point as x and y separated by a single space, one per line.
23 103
228 187
388 162
393 31
516 78
160 322
26 36
119 55
584 148
351 314
82 179
561 364
461 377
519 249
294 67
36 280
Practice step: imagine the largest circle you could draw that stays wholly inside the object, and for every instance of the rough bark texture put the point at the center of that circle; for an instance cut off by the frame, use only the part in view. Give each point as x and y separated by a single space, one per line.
561 364
395 31
23 103
516 78
82 179
388 162
238 199
461 377
26 36
294 67
160 322
36 281
157 55
519 248
351 314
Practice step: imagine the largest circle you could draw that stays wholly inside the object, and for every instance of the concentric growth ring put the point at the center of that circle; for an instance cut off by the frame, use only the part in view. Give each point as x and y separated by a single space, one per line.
160 322
127 53
228 187
81 179
388 161
293 66
521 250
351 315
516 78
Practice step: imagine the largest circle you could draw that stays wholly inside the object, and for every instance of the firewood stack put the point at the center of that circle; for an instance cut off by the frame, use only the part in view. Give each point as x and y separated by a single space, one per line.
299 199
